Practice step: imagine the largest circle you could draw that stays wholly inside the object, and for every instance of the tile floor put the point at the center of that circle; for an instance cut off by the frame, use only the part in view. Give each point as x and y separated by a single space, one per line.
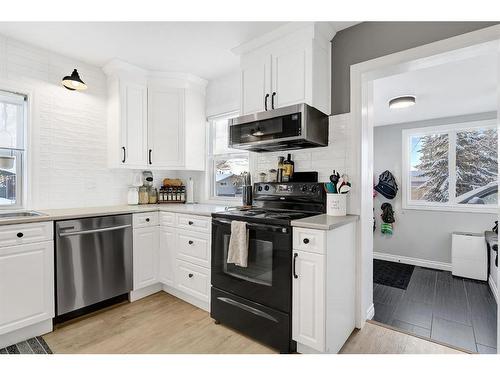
436 305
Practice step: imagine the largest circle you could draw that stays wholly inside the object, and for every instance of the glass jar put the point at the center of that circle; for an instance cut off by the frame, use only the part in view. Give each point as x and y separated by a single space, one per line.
153 195
143 195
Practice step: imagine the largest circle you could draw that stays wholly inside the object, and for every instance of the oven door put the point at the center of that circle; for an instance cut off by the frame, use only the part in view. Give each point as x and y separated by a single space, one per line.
267 278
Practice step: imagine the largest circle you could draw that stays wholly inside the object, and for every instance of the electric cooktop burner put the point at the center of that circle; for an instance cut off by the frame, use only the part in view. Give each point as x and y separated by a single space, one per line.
262 214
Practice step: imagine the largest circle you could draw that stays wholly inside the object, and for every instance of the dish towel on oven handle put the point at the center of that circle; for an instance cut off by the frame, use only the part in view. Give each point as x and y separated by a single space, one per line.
238 244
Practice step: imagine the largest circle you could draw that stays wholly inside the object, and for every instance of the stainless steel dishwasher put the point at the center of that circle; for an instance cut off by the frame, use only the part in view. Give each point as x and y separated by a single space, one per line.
93 262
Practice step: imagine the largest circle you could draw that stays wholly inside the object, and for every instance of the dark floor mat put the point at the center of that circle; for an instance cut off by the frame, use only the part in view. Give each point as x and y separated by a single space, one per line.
393 274
35 345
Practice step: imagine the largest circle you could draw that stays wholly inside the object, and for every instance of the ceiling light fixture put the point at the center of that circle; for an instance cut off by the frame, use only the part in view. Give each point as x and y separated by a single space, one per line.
74 82
402 101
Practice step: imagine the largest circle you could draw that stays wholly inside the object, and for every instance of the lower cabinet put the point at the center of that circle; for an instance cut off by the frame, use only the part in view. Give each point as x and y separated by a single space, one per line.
308 318
167 255
173 258
146 256
26 285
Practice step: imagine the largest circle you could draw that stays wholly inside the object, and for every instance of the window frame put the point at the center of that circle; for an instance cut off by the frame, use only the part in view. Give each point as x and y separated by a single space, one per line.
211 158
20 151
451 205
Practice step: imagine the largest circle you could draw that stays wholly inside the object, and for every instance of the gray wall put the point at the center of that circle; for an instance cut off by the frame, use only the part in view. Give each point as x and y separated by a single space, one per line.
418 233
369 40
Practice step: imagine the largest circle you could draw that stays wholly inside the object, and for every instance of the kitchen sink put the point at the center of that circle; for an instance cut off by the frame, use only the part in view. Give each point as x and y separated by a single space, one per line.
13 215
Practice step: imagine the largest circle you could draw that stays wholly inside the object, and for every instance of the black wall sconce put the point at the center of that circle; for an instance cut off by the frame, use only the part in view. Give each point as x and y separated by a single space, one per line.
74 82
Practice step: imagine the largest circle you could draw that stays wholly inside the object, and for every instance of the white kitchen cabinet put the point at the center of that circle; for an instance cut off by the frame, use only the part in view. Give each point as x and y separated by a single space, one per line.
26 285
167 255
155 120
288 69
323 297
256 85
308 317
146 246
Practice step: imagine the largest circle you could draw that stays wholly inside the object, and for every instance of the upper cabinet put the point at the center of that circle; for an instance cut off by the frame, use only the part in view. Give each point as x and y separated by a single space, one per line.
155 120
288 66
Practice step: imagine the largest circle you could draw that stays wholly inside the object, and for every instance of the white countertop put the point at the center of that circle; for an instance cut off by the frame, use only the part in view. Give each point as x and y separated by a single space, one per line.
74 213
324 222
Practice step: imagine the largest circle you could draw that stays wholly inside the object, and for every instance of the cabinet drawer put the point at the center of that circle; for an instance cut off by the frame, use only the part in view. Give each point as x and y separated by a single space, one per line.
167 218
19 234
193 280
145 219
193 247
197 223
309 240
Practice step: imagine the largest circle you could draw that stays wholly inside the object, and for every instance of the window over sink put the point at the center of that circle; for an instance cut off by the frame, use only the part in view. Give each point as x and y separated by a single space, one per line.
13 112
226 165
451 167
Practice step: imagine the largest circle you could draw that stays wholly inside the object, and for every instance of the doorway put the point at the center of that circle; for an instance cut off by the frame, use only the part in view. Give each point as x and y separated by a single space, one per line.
364 81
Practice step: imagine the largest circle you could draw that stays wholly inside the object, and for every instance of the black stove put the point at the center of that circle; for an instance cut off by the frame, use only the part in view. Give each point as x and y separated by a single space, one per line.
280 203
257 299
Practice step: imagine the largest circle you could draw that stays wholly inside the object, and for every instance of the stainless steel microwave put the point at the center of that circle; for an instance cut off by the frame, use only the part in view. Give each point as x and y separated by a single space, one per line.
288 128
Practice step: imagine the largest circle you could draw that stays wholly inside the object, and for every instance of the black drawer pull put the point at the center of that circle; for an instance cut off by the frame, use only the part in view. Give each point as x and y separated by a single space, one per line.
147 220
190 223
20 234
190 242
305 240
190 275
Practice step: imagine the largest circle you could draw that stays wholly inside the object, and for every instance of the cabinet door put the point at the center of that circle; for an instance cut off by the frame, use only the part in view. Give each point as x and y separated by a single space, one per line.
26 285
166 127
289 76
308 299
255 85
133 124
146 248
167 248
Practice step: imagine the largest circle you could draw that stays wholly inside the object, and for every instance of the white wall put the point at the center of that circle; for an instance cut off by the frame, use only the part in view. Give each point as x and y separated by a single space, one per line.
223 94
419 234
67 129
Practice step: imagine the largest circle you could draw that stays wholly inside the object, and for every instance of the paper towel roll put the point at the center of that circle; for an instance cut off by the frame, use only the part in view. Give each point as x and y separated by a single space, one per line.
190 191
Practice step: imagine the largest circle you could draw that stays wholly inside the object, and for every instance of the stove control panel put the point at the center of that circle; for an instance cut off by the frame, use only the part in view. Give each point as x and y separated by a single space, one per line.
296 189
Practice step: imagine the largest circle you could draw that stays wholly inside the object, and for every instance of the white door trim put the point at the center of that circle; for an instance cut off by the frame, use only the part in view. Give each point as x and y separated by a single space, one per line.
362 76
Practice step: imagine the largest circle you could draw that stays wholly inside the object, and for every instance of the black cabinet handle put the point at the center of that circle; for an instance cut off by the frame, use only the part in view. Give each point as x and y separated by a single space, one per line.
20 234
190 223
147 220
305 240
150 151
190 242
294 263
272 100
190 275
124 154
265 101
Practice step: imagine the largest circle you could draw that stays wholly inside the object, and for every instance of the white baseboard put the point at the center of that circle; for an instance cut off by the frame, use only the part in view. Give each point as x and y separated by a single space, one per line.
493 287
370 313
25 333
413 261
135 295
186 297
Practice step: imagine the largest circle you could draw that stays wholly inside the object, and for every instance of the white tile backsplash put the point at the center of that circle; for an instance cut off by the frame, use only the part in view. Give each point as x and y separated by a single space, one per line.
321 159
67 129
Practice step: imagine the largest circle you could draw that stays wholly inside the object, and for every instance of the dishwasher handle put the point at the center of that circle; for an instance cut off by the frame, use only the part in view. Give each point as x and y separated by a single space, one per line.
98 230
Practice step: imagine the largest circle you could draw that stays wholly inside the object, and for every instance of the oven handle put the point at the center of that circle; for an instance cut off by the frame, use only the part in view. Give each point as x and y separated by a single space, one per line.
247 308
271 228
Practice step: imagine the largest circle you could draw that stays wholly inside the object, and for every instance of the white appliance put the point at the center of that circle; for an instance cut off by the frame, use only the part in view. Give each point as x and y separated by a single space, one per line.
469 257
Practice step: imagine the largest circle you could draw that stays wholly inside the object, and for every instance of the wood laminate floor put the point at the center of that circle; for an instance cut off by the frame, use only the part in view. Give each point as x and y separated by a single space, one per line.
455 311
165 324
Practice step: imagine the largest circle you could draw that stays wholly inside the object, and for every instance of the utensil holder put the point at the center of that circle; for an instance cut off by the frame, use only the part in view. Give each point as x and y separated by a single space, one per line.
336 204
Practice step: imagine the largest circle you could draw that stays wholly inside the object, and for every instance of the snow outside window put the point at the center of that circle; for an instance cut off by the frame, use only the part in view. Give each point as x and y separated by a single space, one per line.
226 165
12 149
451 167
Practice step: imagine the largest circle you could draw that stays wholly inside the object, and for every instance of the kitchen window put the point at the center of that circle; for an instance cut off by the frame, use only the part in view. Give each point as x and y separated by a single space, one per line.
451 167
226 165
12 149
